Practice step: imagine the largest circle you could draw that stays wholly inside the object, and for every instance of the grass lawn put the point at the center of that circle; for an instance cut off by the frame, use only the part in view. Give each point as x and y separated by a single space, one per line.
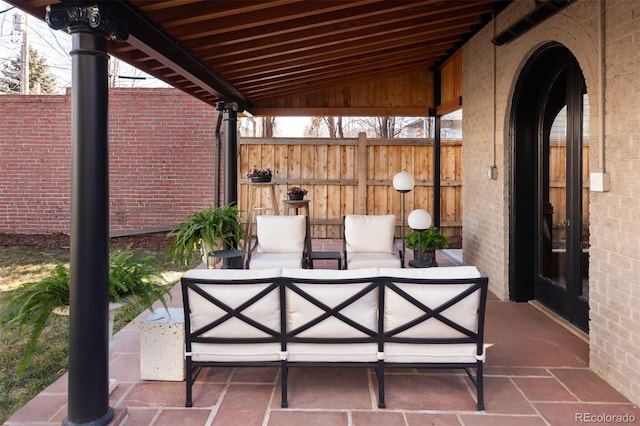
21 264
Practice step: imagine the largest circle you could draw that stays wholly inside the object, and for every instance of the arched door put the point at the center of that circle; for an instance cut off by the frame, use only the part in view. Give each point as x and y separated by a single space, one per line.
549 219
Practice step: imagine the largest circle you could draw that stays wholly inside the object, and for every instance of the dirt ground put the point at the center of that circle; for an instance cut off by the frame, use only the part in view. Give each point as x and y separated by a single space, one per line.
158 241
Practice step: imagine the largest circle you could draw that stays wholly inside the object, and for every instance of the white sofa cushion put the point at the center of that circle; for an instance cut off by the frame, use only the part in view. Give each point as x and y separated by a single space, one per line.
281 234
330 274
320 352
432 273
369 233
430 353
232 274
243 352
399 311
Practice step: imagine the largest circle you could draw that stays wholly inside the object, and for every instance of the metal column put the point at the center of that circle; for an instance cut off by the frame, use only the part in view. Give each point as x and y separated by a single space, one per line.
88 394
230 117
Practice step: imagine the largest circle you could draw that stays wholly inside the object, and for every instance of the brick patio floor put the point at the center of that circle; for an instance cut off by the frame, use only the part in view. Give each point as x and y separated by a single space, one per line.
537 373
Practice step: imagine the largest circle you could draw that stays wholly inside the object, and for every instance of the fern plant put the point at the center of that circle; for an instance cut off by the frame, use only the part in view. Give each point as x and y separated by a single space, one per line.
29 307
206 229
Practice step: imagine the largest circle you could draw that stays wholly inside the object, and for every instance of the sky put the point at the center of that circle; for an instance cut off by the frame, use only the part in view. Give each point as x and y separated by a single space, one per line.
54 46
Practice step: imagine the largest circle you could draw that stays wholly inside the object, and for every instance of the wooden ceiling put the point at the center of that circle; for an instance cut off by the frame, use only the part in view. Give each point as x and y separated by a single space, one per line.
258 53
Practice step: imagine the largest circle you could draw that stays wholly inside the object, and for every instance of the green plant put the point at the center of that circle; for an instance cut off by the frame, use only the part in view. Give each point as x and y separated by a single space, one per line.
206 229
30 306
428 239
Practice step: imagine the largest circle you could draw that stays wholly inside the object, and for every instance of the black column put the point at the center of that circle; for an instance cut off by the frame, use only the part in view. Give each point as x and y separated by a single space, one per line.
88 394
230 117
437 188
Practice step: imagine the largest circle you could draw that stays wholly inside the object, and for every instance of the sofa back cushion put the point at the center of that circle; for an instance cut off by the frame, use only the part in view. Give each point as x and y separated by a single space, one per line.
281 234
331 291
369 233
212 293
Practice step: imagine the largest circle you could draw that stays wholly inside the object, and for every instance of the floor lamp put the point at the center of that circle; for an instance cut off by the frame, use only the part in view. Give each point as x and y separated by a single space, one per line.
403 182
419 220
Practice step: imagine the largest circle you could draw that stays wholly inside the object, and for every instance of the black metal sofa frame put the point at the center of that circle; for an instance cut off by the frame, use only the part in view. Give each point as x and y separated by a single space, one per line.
278 332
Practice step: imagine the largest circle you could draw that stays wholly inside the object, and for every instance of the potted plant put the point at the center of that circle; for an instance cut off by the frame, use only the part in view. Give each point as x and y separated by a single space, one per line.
424 244
260 175
31 305
296 193
206 230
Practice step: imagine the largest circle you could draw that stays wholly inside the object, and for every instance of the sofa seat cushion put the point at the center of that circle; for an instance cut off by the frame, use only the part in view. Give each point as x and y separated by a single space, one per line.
214 352
430 353
276 260
372 260
321 352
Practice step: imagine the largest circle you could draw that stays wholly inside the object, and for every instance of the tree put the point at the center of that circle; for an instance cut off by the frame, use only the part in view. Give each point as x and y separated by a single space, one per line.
38 74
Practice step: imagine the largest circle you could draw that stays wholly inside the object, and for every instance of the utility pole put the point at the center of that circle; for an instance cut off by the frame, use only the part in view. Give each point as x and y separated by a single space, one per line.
20 25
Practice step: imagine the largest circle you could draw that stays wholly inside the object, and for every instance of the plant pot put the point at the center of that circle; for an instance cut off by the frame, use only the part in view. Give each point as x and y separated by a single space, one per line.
64 311
258 179
423 259
296 197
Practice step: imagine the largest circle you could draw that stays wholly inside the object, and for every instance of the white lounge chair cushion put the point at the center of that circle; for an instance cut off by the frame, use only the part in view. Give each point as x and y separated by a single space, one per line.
371 260
281 234
276 260
369 233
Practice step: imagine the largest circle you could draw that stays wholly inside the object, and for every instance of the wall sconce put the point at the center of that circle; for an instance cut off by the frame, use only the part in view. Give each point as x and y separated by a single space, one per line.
403 182
419 220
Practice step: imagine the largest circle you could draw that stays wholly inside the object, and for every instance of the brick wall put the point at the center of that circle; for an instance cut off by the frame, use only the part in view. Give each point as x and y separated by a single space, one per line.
161 160
614 218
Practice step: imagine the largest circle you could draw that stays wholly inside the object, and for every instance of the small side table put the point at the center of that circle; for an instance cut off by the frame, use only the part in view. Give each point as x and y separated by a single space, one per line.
297 205
226 254
327 255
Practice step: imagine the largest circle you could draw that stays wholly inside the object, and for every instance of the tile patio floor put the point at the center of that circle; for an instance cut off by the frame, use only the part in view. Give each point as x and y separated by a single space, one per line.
536 374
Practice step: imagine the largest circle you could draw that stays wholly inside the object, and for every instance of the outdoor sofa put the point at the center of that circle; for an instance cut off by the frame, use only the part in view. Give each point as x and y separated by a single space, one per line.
375 318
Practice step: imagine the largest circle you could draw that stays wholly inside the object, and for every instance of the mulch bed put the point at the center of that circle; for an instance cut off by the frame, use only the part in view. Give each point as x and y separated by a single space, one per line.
158 241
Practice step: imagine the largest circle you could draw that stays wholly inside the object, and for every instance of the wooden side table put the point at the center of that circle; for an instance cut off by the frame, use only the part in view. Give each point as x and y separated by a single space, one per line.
297 205
253 188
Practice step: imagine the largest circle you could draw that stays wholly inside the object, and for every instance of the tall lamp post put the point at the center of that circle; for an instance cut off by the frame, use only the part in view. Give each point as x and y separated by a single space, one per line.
419 220
403 182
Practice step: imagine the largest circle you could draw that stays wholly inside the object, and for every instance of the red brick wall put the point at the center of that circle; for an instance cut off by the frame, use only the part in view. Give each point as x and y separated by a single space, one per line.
161 160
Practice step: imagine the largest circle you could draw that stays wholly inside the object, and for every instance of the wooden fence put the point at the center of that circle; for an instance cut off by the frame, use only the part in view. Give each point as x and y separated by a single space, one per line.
353 176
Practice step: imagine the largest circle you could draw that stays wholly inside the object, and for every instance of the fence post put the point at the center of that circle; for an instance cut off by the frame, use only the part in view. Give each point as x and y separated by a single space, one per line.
361 202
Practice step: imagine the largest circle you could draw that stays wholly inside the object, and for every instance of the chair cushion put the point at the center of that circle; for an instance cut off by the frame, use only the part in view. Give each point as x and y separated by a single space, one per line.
372 260
281 234
276 260
369 233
